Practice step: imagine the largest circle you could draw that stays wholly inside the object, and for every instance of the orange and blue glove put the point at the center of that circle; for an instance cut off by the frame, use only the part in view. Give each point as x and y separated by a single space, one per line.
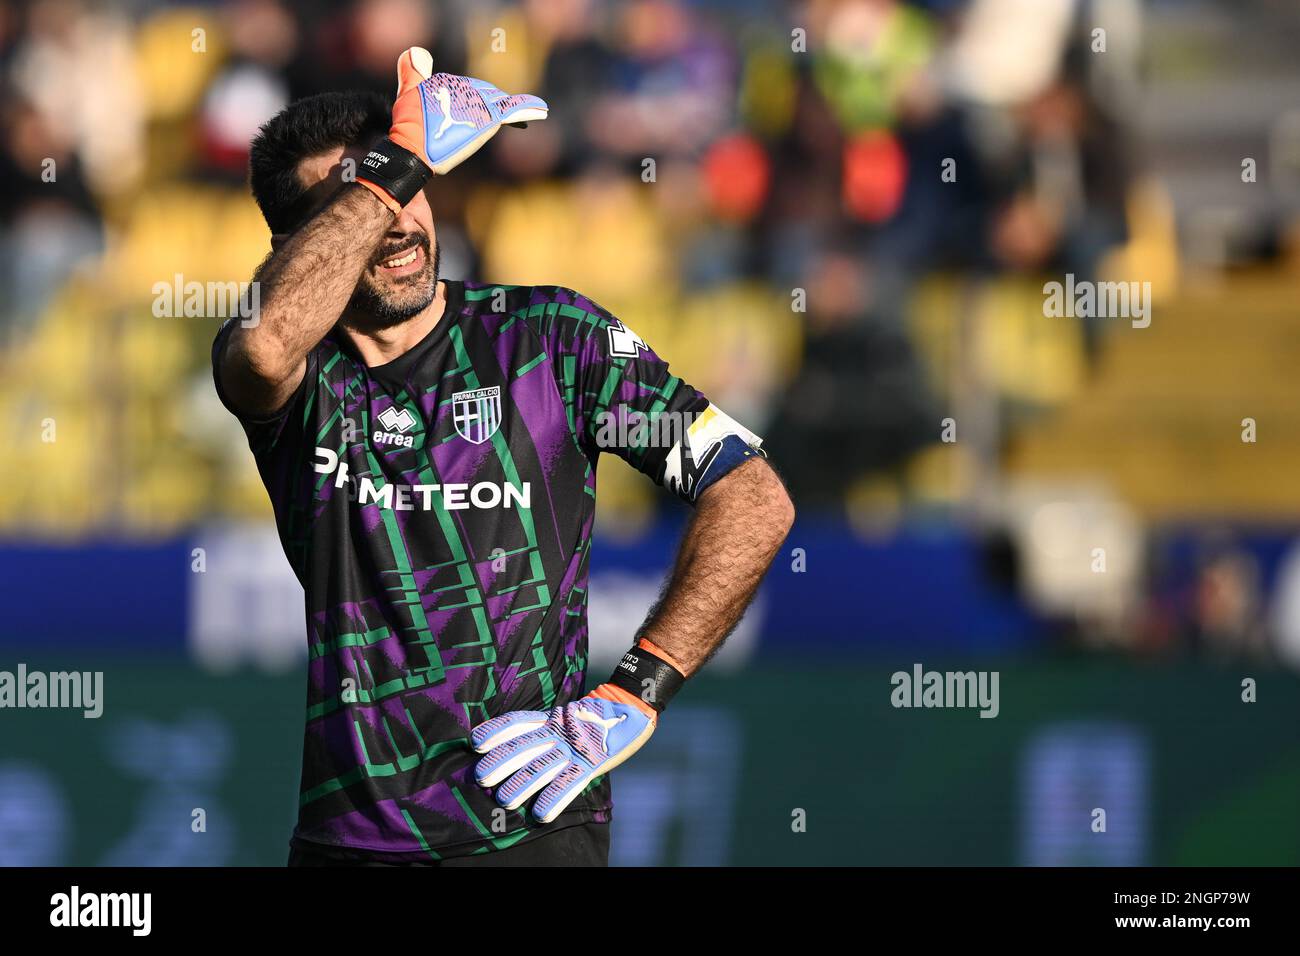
439 121
555 754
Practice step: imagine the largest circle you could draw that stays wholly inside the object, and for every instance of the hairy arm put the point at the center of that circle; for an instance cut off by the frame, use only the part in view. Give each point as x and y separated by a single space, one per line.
738 525
304 286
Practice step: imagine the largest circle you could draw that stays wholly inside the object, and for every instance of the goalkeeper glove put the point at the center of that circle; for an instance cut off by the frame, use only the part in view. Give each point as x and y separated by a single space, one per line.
560 752
439 121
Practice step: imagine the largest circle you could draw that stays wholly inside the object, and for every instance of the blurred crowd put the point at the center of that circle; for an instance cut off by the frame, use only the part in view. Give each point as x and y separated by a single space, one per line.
757 188
834 217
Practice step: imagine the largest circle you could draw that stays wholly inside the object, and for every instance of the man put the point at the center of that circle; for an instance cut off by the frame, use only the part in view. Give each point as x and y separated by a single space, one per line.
430 450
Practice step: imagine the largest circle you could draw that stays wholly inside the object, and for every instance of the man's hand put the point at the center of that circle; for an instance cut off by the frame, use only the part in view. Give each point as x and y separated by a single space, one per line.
444 118
560 752
441 120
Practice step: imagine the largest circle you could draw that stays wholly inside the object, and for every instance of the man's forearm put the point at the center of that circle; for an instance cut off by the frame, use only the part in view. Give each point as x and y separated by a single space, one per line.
738 525
304 286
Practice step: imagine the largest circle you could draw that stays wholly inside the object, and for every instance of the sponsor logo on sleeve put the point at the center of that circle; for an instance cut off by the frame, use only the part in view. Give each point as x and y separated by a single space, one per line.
624 343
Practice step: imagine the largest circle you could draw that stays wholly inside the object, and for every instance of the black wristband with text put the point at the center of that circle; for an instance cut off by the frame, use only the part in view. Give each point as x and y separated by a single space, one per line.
394 169
651 678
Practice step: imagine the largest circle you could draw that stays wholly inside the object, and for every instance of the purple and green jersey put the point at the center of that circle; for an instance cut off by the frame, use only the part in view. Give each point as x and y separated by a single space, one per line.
438 512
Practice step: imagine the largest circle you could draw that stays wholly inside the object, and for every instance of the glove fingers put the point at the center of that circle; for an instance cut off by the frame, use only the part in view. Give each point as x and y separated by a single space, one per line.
525 115
561 792
504 760
524 108
490 93
537 774
495 732
511 107
413 67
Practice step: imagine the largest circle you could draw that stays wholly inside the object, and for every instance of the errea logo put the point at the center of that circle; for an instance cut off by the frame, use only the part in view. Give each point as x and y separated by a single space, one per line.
397 421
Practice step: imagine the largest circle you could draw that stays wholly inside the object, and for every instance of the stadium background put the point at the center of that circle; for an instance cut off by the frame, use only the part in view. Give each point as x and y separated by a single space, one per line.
799 257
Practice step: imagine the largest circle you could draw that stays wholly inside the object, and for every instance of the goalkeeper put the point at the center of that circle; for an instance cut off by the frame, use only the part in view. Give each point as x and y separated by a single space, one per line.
429 448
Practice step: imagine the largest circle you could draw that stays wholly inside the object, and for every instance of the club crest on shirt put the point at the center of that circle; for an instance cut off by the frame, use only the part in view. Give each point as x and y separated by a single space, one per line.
476 413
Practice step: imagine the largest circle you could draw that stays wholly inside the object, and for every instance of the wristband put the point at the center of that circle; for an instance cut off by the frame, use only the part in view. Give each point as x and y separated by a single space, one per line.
393 173
647 676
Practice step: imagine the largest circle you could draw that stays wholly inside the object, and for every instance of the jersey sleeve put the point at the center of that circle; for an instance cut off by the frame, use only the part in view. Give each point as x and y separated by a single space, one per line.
623 399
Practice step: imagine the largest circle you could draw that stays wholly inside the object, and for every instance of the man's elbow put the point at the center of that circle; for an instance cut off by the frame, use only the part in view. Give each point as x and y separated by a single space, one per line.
782 508
775 511
262 358
258 374
756 496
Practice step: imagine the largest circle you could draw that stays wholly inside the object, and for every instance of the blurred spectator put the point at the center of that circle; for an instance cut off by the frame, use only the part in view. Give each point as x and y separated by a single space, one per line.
672 89
94 107
578 70
860 402
49 221
356 45
1227 616
249 88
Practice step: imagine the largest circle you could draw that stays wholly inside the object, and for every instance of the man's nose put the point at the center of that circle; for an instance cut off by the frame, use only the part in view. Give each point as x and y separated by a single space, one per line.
405 224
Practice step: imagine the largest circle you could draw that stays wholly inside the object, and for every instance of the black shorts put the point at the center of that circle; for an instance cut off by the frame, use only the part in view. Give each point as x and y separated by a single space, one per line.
586 844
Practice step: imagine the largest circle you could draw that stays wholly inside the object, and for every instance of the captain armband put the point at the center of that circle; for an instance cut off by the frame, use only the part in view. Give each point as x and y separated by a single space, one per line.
713 445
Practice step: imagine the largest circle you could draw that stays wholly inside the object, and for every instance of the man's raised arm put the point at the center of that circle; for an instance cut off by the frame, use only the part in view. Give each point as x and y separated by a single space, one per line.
304 286
308 281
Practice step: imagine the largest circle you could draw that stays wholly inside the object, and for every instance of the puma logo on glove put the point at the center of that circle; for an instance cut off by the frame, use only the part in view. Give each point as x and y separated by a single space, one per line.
439 121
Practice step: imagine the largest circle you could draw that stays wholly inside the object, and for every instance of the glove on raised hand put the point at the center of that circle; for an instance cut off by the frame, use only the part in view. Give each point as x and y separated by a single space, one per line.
439 121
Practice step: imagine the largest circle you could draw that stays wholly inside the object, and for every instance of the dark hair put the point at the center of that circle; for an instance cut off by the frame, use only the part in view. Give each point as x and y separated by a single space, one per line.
309 127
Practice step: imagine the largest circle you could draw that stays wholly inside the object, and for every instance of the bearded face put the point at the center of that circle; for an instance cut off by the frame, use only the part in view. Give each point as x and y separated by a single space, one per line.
400 281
